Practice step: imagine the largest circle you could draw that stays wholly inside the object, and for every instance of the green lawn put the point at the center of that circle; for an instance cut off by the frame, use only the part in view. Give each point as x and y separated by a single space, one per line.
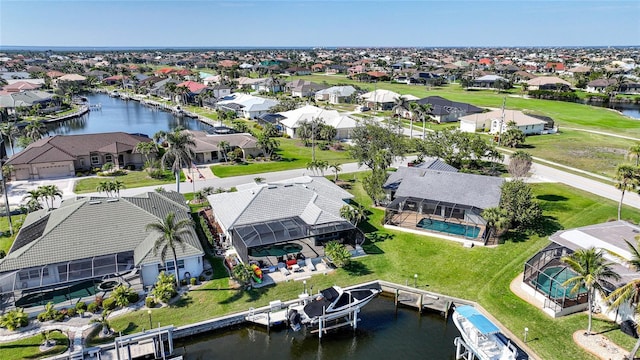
479 274
132 179
595 153
294 156
29 348
5 239
564 113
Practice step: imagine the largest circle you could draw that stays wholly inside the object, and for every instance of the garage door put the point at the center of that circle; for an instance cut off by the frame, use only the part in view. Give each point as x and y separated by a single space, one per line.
53 171
22 174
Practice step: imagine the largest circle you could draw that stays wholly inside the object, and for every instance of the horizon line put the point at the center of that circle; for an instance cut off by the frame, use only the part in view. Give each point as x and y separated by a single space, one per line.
266 47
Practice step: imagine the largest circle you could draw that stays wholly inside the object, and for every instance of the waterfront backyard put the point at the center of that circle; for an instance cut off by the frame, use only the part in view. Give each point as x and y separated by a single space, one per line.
478 274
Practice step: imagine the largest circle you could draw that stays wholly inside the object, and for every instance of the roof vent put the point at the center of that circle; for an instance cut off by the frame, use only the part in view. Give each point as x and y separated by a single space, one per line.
94 202
112 200
272 187
288 185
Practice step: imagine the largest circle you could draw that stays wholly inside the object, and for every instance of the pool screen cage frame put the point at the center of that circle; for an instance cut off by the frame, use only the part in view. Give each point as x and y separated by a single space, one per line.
40 279
286 230
401 209
550 257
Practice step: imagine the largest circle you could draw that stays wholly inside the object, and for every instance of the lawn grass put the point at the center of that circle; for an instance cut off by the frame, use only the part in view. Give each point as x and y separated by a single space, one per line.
294 156
29 348
5 239
564 113
132 179
479 274
599 154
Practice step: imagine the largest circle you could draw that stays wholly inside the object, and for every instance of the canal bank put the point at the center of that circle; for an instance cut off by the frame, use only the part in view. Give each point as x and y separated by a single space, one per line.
404 320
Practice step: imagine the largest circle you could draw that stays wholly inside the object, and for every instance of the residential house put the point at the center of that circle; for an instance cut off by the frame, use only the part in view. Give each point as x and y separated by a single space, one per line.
303 88
63 155
443 110
441 200
245 105
488 81
160 88
498 121
336 94
304 211
27 99
549 83
260 85
380 99
93 238
208 149
544 273
70 78
293 119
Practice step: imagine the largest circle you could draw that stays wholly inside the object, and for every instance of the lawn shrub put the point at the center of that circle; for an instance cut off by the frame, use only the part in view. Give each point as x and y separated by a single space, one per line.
109 304
71 312
93 307
193 281
149 302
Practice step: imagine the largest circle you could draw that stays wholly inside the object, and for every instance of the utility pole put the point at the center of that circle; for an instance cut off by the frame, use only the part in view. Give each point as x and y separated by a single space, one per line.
504 102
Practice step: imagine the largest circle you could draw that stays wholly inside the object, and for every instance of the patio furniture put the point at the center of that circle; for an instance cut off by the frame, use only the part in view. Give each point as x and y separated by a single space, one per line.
284 271
309 264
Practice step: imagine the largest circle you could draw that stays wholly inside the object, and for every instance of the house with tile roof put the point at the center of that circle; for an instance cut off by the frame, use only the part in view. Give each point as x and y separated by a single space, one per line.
94 238
304 211
336 94
63 155
208 149
293 119
498 121
245 105
438 199
443 110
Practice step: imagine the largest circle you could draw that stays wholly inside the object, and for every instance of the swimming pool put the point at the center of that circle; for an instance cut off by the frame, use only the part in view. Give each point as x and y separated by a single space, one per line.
551 279
275 250
469 231
75 291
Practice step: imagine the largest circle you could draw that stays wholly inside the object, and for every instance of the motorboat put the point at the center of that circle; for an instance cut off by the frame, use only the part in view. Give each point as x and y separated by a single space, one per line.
482 337
330 304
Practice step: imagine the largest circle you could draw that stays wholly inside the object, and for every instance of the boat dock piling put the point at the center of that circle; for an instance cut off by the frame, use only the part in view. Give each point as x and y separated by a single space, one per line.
463 351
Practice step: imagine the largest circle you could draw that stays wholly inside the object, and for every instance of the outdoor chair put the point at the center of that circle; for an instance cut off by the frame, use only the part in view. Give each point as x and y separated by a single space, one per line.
309 264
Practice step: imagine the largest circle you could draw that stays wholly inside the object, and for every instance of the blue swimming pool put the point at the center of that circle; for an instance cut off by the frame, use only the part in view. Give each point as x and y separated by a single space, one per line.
550 282
469 231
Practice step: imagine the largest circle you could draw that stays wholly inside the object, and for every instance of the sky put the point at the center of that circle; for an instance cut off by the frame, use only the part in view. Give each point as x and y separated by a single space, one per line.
318 23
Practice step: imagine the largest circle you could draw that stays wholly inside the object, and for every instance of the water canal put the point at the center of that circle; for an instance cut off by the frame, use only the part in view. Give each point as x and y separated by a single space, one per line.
381 334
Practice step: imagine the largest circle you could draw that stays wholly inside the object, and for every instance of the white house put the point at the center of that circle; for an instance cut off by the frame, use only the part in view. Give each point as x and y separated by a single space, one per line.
498 121
335 94
246 106
343 124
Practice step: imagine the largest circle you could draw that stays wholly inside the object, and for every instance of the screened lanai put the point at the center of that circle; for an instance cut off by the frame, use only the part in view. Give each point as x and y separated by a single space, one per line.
291 229
438 216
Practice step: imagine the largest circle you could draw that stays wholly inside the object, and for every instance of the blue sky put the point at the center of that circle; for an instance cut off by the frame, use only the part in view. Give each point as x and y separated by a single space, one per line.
215 23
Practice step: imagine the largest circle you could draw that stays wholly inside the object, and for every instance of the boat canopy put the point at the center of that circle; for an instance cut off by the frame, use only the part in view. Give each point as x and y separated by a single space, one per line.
478 320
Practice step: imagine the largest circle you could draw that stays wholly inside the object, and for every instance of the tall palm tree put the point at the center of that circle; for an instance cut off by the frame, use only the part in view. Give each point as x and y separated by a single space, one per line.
336 169
592 271
400 105
426 111
146 148
179 152
10 131
105 187
50 192
627 178
634 152
630 292
224 147
172 234
35 130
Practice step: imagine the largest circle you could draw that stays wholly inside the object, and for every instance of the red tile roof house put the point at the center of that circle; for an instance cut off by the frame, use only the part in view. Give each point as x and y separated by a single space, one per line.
63 155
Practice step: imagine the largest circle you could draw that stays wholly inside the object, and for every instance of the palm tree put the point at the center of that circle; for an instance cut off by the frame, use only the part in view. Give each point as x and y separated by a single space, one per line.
35 130
224 147
50 192
400 105
146 148
634 152
336 168
10 131
179 152
592 271
426 111
496 219
626 179
172 234
628 293
416 111
105 187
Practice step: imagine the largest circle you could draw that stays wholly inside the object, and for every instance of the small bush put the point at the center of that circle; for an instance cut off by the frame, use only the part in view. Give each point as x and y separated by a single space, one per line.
71 312
133 298
109 304
81 306
201 278
130 167
192 281
2 254
92 308
156 174
149 302
183 282
60 315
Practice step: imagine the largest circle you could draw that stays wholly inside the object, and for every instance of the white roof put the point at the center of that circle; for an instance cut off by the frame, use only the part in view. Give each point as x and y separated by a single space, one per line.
307 113
250 102
339 90
520 118
381 96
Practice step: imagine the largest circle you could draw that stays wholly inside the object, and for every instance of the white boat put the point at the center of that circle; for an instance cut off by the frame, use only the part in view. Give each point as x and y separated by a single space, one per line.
482 337
330 304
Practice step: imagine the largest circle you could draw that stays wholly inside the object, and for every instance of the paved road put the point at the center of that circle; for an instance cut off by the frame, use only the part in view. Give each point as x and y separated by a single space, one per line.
540 173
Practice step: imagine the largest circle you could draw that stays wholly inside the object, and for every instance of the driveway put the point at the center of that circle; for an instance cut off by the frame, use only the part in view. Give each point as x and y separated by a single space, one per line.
17 189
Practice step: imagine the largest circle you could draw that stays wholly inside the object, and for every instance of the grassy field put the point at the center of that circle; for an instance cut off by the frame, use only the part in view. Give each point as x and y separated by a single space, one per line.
29 348
564 113
294 156
479 274
5 239
599 154
132 179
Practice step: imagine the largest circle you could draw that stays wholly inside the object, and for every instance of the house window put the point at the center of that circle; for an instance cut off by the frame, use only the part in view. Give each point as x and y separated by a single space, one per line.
171 267
95 159
108 158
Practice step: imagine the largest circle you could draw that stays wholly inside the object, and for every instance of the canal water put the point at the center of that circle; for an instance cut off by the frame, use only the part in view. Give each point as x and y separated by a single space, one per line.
127 116
381 334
